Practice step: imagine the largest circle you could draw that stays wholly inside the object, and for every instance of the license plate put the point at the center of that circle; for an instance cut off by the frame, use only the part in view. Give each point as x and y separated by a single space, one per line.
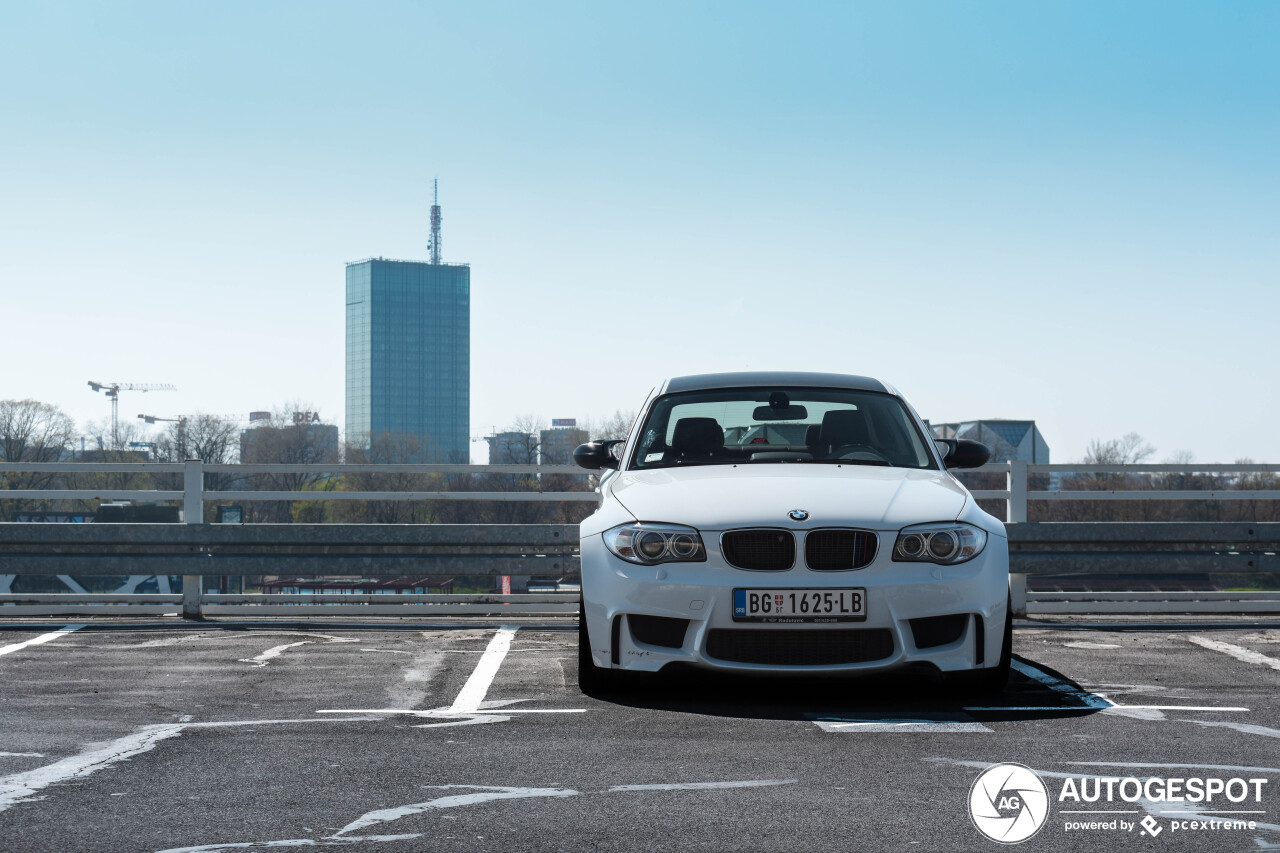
799 605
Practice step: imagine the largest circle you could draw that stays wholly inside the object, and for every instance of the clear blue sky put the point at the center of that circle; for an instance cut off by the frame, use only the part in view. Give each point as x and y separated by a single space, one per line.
1059 211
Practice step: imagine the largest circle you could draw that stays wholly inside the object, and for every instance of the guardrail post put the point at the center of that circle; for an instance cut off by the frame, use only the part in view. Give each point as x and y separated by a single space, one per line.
1017 514
192 513
1017 510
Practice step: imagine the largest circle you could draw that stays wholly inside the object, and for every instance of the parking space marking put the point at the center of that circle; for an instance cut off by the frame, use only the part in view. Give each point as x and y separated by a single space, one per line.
1157 765
478 794
1243 728
485 794
1062 688
449 712
1240 653
22 786
19 787
1091 701
275 651
890 722
473 692
40 640
470 707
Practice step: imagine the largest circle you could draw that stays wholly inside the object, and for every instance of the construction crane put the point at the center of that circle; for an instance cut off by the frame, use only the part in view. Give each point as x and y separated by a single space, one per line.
181 421
113 390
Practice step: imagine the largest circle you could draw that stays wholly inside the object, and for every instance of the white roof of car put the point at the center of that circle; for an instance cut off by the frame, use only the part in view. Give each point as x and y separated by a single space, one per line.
786 379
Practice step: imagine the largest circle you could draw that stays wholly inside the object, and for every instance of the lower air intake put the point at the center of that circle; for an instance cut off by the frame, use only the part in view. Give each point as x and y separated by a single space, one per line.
658 630
788 647
938 630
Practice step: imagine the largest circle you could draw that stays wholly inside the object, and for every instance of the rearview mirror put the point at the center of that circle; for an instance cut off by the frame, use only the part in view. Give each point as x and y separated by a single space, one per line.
782 413
595 455
963 453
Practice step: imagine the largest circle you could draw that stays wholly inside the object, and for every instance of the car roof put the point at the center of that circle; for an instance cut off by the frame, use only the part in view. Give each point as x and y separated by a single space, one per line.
795 379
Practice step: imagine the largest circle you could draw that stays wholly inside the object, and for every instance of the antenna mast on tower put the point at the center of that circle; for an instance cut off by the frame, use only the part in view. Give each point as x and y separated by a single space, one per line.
435 222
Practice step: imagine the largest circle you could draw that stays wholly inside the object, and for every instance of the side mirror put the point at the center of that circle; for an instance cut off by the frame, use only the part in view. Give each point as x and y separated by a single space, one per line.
963 453
595 455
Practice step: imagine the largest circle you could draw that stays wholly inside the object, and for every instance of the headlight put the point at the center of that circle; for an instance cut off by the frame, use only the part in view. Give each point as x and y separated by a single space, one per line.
649 544
946 544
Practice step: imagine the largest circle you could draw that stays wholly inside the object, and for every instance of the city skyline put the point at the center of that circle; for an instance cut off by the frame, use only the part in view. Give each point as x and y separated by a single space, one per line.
1008 212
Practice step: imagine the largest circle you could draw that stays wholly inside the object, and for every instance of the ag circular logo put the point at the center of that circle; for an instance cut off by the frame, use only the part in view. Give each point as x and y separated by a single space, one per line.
798 515
1008 803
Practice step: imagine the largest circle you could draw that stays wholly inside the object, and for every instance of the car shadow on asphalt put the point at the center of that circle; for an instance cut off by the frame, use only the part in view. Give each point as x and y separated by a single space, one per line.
913 693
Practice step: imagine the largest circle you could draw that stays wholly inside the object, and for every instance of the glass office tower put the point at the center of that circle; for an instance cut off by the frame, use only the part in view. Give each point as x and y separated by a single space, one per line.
409 355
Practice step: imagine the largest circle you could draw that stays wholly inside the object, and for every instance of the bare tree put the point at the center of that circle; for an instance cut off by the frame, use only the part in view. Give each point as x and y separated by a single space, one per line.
284 438
388 449
31 431
210 438
1130 450
615 426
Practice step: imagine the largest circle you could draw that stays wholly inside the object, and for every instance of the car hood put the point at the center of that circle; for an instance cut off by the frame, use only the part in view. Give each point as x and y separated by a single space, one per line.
719 497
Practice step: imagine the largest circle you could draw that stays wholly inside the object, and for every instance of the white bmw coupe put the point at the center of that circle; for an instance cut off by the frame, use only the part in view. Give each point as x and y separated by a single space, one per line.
789 523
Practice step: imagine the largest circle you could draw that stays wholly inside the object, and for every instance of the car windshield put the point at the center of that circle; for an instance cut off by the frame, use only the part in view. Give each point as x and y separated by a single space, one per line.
778 425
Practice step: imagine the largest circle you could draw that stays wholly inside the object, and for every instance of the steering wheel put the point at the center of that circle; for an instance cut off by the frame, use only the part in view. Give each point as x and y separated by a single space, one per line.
858 451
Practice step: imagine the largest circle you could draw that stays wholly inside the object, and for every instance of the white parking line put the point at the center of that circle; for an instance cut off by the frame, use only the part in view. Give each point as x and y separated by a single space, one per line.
899 723
43 638
275 651
473 692
22 786
474 795
1240 653
1062 688
1088 701
18 787
449 712
1243 728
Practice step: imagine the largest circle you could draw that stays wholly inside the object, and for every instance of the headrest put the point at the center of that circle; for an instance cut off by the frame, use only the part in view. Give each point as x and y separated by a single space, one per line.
812 436
697 436
844 426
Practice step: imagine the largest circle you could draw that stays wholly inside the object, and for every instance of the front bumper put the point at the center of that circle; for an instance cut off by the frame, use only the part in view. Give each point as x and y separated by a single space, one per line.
701 594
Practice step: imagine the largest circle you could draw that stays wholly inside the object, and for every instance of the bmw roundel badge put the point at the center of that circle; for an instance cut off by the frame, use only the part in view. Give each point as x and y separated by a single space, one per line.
798 515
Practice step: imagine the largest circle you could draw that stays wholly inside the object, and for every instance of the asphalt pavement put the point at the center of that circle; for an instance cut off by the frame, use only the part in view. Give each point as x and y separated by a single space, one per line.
383 736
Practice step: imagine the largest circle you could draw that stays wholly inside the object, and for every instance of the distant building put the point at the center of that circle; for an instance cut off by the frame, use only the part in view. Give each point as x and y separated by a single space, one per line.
1008 440
512 448
303 441
557 444
409 352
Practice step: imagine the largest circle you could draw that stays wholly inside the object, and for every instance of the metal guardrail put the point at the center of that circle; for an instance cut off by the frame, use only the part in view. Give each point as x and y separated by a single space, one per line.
304 550
194 494
196 549
433 606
